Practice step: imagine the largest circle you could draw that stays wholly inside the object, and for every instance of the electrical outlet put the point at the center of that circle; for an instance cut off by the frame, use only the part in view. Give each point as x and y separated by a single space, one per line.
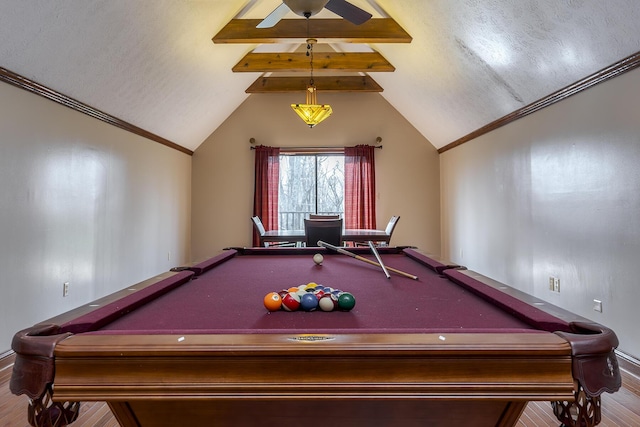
554 284
65 289
597 305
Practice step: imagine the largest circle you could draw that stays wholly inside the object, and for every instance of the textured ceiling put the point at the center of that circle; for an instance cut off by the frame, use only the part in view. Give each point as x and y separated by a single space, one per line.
152 62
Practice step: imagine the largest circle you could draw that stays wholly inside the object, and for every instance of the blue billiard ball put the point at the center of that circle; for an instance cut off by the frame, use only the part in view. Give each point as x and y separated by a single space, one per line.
308 302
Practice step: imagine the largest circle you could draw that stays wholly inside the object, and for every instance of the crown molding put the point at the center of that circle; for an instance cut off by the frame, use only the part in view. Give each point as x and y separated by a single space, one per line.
52 95
627 64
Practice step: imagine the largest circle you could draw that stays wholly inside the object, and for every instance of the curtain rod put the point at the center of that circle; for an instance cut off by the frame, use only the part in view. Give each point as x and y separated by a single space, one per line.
253 141
314 148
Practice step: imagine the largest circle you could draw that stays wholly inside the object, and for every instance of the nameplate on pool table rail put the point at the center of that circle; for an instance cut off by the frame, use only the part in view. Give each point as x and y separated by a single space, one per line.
312 338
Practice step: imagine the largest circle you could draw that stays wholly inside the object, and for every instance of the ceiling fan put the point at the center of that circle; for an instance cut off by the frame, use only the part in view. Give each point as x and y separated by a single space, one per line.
309 8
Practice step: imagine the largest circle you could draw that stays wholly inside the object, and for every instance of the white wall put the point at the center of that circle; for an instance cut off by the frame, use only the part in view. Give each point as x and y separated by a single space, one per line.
81 202
556 194
407 167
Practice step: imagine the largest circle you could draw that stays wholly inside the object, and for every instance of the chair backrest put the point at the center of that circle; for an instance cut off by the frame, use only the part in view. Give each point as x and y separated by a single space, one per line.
391 225
327 230
257 223
315 216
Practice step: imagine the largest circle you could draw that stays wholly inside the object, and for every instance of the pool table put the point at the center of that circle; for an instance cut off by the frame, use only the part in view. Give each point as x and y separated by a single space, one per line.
196 346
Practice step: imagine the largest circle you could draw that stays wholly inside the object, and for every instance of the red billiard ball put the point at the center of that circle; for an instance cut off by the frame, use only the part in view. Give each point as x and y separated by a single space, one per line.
291 301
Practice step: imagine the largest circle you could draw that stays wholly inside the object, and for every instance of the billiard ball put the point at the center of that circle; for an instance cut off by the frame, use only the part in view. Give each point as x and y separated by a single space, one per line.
272 301
308 302
318 258
346 301
291 301
328 302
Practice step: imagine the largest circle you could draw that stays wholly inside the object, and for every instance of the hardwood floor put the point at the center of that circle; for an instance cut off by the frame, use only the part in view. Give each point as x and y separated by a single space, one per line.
621 409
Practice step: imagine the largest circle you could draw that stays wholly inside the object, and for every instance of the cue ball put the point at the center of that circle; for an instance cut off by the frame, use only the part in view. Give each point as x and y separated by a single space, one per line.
318 258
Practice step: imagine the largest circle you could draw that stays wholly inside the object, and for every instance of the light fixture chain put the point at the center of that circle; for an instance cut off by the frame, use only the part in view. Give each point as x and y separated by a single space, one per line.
309 49
311 56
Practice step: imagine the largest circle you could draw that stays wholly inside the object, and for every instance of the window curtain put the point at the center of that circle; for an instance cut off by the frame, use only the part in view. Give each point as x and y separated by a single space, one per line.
265 199
359 187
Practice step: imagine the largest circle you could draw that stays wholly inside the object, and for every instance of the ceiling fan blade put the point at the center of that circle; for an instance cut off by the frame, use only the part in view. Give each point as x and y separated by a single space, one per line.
348 11
274 17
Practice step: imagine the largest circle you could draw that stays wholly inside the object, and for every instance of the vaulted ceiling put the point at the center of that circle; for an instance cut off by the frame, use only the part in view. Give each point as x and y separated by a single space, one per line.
153 64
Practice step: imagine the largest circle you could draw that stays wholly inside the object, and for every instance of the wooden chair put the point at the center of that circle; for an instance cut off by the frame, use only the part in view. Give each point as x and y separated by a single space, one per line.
327 230
314 216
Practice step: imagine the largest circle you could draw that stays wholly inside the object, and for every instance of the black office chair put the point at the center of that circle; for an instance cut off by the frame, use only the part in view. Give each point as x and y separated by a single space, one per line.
327 230
319 216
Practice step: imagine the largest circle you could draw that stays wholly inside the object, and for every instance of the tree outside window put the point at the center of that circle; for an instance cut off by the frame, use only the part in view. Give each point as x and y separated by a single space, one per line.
309 184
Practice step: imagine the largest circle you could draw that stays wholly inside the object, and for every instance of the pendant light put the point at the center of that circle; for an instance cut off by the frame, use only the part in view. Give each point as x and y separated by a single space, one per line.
311 112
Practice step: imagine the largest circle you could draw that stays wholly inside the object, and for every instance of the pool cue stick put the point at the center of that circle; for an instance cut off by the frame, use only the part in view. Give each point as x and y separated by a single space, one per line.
375 252
359 258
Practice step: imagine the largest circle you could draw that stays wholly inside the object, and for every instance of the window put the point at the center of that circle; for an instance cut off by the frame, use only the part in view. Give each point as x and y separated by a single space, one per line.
309 184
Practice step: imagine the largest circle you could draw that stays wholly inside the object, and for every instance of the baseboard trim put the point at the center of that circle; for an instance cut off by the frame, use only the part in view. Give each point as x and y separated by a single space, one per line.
628 363
7 359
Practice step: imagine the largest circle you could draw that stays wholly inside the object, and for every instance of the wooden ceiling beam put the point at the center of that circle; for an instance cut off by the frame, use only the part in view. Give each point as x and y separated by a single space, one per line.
376 30
299 61
323 83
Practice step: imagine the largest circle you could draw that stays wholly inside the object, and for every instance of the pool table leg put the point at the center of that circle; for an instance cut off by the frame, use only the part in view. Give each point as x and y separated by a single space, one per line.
584 411
123 413
44 412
